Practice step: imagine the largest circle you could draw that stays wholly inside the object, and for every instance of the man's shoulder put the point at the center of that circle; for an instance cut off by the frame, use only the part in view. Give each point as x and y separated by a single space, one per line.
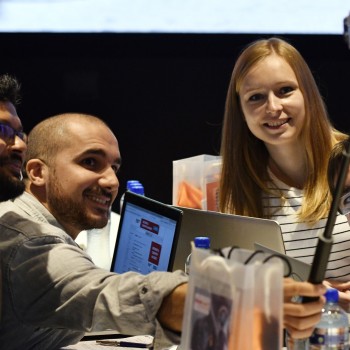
19 223
9 215
6 206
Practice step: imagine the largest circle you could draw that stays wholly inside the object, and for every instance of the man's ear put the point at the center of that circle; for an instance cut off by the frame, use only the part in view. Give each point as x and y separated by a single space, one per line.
37 172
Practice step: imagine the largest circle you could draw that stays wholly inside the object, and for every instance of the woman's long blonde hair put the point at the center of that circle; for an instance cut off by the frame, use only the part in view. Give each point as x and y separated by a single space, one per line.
245 157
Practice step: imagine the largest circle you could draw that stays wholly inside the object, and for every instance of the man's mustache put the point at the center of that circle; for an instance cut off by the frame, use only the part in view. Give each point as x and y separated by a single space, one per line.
99 192
7 159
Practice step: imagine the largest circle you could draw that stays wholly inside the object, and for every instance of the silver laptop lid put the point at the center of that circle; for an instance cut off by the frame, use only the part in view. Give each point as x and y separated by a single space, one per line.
300 269
225 230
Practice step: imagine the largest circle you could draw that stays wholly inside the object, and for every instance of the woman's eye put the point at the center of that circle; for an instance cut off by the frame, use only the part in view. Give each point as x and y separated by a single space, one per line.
255 97
285 90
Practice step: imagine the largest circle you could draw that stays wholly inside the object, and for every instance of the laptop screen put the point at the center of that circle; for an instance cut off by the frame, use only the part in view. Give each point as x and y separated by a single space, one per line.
147 236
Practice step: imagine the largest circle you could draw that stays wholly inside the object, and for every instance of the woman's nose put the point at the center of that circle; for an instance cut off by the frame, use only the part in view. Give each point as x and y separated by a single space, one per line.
273 104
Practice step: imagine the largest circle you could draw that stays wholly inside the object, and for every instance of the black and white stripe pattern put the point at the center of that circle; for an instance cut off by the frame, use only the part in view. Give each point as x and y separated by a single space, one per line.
300 239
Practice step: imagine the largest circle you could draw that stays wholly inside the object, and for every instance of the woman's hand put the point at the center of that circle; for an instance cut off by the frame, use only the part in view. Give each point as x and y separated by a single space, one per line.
344 292
300 319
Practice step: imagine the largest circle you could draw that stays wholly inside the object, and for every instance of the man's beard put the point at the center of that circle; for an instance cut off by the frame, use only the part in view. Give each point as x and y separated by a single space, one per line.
70 210
10 186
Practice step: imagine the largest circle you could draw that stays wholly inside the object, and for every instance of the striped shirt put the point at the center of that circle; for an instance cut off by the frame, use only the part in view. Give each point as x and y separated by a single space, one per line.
300 239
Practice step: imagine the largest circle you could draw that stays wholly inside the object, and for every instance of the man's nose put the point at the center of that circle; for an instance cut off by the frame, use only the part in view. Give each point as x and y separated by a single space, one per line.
18 144
109 180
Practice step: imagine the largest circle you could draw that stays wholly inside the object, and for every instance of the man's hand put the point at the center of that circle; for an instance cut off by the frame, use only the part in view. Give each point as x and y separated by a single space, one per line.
171 312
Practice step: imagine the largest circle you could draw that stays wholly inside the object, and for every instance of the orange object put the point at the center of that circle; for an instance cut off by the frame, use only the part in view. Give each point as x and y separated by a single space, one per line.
189 196
213 196
261 334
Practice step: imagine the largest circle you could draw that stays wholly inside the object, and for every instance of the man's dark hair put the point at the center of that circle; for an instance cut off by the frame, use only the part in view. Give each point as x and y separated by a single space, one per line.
9 89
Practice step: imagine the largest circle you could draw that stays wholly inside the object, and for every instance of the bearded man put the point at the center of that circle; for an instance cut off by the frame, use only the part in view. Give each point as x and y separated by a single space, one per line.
12 140
52 291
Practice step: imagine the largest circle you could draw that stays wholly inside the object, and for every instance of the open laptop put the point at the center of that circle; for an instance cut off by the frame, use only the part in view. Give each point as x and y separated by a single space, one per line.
225 230
300 270
147 236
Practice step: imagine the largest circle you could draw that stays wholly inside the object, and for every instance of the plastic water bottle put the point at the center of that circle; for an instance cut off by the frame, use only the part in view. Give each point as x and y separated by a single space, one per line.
297 344
332 332
199 242
132 186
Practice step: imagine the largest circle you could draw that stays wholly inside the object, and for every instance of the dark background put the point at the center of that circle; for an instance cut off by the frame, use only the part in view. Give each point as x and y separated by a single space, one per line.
162 94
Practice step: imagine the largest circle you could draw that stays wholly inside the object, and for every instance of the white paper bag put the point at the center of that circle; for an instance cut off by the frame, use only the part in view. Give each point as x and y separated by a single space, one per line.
196 182
233 304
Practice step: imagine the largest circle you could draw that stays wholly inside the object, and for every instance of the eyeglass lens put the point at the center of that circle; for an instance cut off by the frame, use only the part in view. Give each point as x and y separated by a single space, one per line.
344 204
9 133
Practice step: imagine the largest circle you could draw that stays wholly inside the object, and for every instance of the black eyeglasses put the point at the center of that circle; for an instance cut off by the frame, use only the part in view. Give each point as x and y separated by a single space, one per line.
8 133
344 203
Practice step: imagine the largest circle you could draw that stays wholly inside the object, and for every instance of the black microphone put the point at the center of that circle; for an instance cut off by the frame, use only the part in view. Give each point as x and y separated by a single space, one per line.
325 241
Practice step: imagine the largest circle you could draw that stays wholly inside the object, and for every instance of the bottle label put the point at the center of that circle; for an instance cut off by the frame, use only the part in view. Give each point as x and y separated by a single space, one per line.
338 337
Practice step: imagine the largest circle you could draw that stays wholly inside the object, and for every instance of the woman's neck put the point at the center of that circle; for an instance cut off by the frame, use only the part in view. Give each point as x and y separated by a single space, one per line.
289 167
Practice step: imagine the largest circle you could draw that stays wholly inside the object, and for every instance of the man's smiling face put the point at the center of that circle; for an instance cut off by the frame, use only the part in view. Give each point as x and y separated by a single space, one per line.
12 151
82 182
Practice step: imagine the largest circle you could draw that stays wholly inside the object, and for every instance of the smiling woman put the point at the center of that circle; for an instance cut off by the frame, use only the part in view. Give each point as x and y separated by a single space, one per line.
273 104
276 143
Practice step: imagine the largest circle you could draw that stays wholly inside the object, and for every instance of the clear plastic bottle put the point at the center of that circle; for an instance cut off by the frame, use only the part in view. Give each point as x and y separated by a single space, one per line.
332 332
297 344
199 242
132 186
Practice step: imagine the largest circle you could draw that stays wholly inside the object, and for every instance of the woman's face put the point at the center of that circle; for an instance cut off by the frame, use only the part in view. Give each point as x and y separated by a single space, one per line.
272 103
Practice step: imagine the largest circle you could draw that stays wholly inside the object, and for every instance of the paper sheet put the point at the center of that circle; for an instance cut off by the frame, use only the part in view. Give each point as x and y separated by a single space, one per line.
91 345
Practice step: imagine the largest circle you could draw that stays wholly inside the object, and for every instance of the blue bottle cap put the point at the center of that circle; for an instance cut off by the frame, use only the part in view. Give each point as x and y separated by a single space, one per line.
202 242
135 186
332 295
138 189
130 183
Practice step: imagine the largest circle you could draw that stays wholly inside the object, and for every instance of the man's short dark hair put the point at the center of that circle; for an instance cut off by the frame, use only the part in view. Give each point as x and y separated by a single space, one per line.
9 89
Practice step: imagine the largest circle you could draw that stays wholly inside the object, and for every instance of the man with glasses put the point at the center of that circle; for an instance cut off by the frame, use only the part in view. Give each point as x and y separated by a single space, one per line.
12 146
334 164
12 140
